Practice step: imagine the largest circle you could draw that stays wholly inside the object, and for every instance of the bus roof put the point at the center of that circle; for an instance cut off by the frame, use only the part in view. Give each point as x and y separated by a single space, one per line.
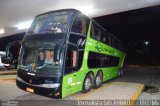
61 10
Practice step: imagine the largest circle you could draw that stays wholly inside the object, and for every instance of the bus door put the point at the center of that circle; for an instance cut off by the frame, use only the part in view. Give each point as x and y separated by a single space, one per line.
70 74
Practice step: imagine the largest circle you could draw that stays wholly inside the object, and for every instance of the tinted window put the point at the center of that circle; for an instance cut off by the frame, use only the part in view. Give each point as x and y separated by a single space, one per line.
115 43
105 37
80 24
110 40
96 60
95 32
71 59
80 59
99 34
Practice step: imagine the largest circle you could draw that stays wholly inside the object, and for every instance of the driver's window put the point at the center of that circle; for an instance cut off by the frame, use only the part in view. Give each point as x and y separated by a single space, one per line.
71 59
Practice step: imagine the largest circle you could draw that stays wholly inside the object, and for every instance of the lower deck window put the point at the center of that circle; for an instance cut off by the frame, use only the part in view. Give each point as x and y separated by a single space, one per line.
96 60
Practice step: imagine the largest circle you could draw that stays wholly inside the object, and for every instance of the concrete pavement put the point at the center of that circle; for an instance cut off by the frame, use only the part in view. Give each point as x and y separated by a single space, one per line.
9 90
147 76
7 77
8 72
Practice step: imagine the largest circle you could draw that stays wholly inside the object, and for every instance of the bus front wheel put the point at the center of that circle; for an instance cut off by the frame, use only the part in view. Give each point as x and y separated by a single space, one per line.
87 84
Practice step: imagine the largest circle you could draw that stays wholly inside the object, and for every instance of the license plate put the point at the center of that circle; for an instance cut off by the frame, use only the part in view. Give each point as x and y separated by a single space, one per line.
30 90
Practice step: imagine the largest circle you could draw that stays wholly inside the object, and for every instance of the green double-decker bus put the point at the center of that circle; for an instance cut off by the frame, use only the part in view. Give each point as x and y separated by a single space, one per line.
64 52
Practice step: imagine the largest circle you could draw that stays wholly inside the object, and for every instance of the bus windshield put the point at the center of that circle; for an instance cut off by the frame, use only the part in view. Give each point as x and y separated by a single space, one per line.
56 22
39 58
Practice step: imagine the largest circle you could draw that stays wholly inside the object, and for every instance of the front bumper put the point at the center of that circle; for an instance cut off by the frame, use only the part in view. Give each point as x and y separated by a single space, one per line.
49 92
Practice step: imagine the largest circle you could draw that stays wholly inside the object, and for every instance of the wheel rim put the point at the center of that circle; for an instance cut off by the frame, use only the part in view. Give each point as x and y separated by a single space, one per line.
98 80
87 84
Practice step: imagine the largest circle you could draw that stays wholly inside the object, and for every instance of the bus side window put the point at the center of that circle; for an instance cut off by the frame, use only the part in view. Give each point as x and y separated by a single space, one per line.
105 38
80 58
96 60
77 24
98 36
71 60
95 32
110 41
84 26
92 32
80 24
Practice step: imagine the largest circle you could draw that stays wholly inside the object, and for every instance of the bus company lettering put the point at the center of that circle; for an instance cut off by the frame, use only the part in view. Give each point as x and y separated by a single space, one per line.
99 47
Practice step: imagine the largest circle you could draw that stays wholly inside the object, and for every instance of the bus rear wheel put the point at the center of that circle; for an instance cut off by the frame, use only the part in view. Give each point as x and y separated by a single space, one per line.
120 72
98 80
87 84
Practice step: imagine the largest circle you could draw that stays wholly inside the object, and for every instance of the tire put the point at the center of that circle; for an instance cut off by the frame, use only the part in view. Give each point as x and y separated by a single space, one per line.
87 84
98 80
120 72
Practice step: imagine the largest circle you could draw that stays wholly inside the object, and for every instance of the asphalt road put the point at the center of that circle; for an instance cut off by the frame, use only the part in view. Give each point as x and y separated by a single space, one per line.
148 76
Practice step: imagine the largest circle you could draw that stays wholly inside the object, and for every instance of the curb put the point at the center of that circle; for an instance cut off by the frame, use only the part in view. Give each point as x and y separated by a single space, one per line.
136 95
8 79
8 73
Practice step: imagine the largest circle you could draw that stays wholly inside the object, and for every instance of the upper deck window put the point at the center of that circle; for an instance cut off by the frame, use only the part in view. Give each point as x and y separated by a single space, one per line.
99 34
95 32
80 24
50 23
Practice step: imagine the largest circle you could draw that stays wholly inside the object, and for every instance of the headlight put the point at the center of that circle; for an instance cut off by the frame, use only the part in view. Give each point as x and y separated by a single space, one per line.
54 85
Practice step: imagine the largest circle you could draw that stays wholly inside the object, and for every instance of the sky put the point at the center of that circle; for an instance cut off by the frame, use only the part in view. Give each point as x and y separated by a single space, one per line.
133 28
